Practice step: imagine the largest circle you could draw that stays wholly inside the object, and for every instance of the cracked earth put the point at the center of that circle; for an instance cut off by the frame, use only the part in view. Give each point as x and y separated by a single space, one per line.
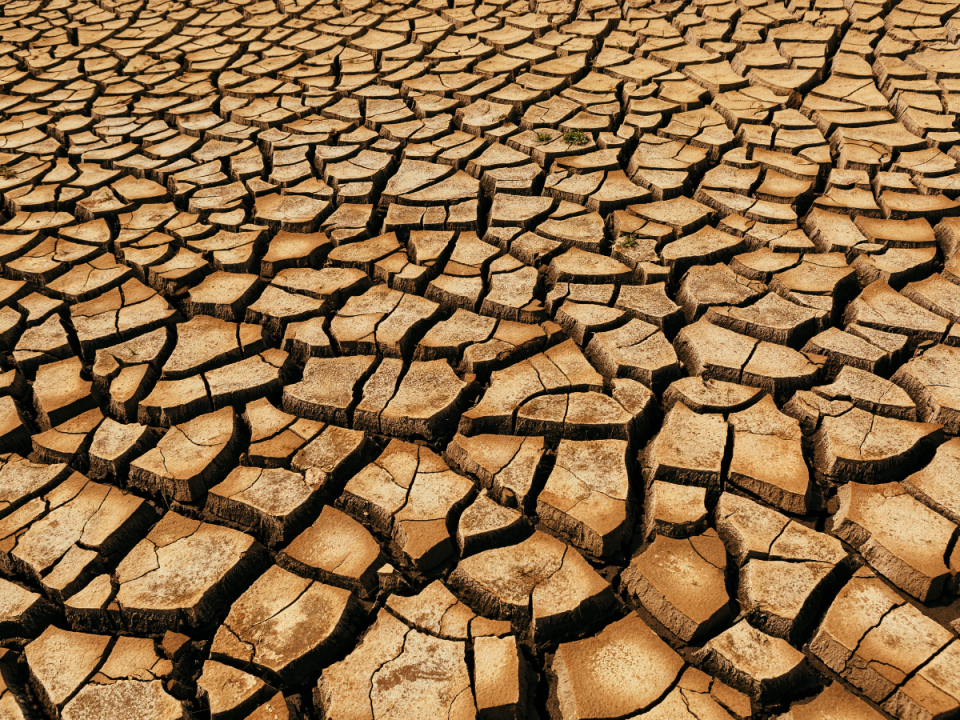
557 359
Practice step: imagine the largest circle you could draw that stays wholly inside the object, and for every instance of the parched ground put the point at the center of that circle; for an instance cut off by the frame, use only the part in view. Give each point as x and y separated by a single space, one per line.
571 360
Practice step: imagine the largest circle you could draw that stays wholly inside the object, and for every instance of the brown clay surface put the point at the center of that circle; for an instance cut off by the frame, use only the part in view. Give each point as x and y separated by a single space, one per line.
497 360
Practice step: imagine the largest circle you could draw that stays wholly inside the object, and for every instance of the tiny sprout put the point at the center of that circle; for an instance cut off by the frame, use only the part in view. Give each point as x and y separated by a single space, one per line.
542 136
749 613
576 137
628 240
7 173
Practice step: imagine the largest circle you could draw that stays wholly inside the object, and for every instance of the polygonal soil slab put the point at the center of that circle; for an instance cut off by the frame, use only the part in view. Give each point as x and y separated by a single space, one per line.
588 495
623 670
180 575
900 537
190 458
561 368
338 550
764 667
875 639
284 624
397 671
273 504
539 581
96 676
503 464
62 539
410 495
682 584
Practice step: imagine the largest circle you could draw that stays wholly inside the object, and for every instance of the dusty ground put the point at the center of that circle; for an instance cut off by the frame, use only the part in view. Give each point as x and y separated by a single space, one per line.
581 360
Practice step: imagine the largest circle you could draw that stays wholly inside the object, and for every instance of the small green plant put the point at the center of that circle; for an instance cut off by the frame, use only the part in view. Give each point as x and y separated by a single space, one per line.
576 137
628 240
748 613
7 172
542 136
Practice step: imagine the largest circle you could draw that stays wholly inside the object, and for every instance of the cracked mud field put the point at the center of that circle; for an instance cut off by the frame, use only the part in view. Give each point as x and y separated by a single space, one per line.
533 360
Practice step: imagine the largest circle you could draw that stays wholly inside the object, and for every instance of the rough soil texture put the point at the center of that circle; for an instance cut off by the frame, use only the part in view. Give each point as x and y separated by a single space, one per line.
557 359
